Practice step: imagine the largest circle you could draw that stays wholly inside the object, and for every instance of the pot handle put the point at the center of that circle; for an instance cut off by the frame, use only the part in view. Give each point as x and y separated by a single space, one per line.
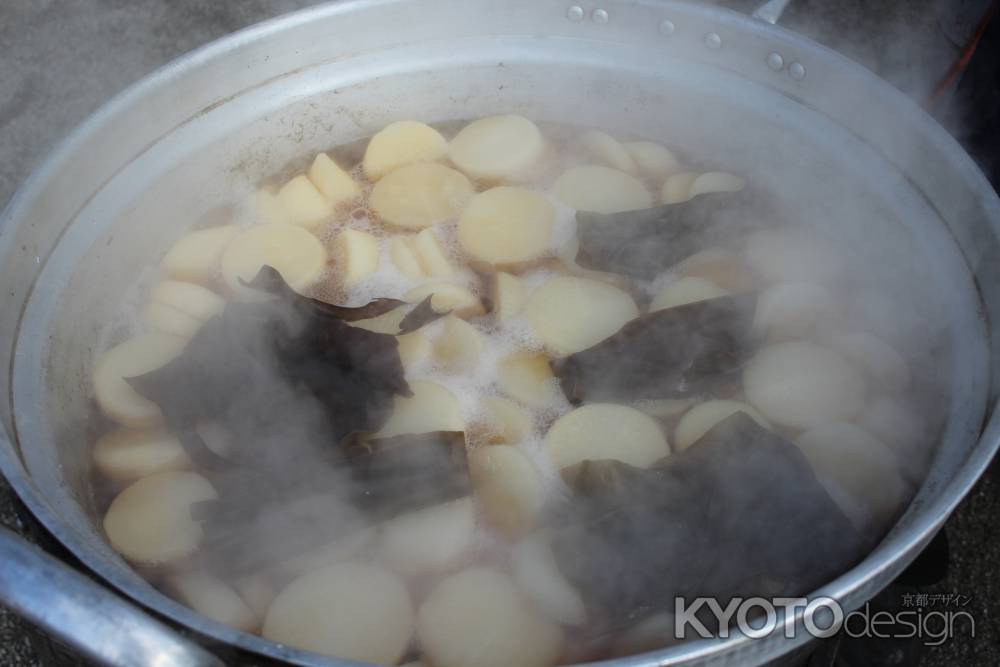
771 11
84 615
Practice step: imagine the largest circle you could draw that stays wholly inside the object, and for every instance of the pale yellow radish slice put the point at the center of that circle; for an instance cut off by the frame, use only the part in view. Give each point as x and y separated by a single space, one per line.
405 258
508 487
570 314
335 184
166 319
349 547
508 295
269 209
295 253
716 181
684 291
401 143
799 384
719 266
304 204
478 618
414 348
527 377
506 421
138 356
601 190
431 408
195 257
194 300
431 255
387 323
428 541
447 298
506 226
664 408
653 160
858 464
459 345
793 254
793 310
497 147
258 592
355 254
874 356
420 195
538 577
150 521
677 188
130 454
210 596
700 419
606 431
350 611
604 148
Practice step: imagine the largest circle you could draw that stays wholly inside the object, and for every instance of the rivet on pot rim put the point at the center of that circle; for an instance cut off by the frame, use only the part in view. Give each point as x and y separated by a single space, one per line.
667 27
775 61
575 13
600 16
713 41
797 71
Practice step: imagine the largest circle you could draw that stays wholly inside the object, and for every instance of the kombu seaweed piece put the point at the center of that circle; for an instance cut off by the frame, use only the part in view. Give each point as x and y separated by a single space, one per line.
674 353
424 313
738 514
407 472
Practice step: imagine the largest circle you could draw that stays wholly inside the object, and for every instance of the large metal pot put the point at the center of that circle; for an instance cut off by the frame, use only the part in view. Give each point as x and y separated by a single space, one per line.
161 156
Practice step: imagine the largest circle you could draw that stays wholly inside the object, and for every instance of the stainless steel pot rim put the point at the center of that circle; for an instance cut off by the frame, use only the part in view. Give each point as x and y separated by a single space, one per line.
882 560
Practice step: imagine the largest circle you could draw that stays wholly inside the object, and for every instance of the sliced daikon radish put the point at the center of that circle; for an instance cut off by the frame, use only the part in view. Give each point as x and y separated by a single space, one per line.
508 486
896 423
270 210
571 314
430 540
197 301
150 521
401 143
166 319
414 348
527 377
719 266
677 188
716 181
459 345
335 184
431 408
138 356
420 195
387 323
800 385
447 297
497 147
508 295
195 257
604 148
430 255
537 576
875 357
601 190
347 548
351 611
210 596
477 618
304 204
355 254
215 436
506 421
700 419
405 258
859 465
793 255
664 408
258 592
292 251
684 291
653 160
506 226
606 431
793 310
130 454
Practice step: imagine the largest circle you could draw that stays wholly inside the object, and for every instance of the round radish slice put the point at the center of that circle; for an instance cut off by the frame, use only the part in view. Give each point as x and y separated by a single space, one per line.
677 188
716 181
605 148
128 454
508 487
350 611
570 314
875 357
189 298
210 596
527 377
603 431
601 190
897 424
430 540
537 575
685 291
719 266
292 251
150 521
420 195
497 147
303 203
335 184
506 421
700 419
506 226
459 345
793 255
195 257
793 310
401 143
654 160
431 408
167 319
138 356
355 254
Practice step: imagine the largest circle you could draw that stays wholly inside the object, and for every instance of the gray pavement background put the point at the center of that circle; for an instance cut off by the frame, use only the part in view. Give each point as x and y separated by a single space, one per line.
60 59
